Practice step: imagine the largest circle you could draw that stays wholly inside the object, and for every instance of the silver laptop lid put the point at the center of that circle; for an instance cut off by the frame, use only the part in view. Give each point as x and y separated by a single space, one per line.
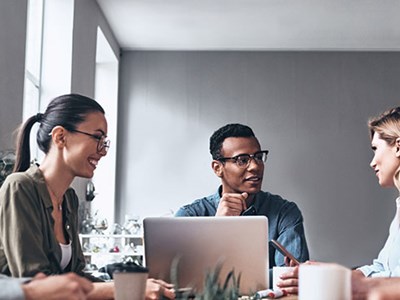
241 243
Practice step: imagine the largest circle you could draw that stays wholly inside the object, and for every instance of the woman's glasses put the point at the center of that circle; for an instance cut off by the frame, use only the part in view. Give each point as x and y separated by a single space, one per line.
103 143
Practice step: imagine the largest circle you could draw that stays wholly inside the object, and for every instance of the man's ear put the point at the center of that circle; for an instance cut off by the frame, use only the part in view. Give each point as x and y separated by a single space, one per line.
58 136
218 168
398 147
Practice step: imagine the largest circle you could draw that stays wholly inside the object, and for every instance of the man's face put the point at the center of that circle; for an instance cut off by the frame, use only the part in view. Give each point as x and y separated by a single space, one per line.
237 179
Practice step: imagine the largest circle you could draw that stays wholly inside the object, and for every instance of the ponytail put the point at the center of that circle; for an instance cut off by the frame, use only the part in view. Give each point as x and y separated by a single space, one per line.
23 153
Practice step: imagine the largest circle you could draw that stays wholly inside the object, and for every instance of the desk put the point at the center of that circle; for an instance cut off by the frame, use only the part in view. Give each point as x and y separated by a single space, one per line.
290 297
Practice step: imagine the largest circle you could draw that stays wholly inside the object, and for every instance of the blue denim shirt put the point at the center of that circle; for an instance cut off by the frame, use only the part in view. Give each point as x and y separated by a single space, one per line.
284 219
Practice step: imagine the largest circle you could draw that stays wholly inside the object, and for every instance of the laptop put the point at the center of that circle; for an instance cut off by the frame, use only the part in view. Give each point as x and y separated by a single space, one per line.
201 243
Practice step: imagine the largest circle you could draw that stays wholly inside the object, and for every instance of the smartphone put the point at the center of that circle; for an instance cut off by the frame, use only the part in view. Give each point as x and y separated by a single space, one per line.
278 246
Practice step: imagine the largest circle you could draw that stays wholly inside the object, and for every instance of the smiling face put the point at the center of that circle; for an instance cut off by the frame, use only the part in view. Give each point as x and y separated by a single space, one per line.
80 152
385 161
235 179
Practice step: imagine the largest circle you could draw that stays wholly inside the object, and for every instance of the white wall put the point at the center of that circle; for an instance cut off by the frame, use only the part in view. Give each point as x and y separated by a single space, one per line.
12 63
87 18
69 58
309 109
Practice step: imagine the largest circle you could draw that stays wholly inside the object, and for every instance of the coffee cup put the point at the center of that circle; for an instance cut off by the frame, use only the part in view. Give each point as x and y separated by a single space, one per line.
324 281
130 282
276 272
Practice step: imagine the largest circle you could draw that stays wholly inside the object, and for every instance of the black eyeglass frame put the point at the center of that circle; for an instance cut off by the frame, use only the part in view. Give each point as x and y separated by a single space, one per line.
249 156
100 145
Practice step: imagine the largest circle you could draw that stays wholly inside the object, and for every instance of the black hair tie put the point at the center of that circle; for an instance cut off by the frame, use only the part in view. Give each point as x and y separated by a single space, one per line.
39 117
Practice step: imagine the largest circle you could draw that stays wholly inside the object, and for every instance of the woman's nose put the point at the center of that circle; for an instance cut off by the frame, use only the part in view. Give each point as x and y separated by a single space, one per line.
372 163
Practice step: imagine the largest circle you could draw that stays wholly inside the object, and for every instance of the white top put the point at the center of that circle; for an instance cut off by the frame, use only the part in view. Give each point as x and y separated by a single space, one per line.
66 254
388 262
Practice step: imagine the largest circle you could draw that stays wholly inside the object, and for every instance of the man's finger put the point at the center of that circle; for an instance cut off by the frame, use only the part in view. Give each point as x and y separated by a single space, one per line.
244 197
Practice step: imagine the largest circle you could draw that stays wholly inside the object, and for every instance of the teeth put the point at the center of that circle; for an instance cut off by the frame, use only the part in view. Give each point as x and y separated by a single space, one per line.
93 162
253 179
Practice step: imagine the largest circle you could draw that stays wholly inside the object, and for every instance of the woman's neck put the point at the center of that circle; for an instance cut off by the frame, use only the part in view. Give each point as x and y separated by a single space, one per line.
56 178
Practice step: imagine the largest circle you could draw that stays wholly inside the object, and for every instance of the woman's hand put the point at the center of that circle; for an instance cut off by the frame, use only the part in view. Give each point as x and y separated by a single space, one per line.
157 289
57 287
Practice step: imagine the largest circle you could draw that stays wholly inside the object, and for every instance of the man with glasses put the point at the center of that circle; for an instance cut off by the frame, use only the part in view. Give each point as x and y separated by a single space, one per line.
239 161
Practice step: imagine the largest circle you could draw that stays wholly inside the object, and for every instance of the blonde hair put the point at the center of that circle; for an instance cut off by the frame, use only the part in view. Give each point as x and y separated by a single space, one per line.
387 125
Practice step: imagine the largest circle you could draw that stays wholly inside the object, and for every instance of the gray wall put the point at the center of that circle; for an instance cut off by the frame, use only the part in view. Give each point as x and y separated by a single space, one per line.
12 63
308 108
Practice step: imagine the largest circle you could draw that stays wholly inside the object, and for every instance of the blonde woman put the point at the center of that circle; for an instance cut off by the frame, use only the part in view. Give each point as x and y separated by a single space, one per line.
385 142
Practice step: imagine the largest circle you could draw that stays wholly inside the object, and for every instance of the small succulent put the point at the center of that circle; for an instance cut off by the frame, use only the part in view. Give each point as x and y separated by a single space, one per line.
212 290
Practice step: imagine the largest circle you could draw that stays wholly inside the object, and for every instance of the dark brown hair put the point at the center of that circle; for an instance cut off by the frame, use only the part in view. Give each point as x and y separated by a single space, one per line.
67 111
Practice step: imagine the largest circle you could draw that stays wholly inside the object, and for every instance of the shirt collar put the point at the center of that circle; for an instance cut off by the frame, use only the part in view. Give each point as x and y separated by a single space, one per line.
38 178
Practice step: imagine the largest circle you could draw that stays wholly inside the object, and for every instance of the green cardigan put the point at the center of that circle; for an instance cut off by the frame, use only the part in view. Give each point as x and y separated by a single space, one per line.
27 241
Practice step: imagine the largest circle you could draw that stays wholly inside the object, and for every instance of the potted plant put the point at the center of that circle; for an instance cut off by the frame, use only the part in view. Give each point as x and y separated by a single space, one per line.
213 288
7 161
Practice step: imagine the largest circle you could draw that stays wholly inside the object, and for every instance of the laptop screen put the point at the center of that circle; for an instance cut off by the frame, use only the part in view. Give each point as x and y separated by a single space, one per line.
199 244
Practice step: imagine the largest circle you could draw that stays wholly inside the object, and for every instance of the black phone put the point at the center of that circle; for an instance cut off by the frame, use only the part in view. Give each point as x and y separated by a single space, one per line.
278 246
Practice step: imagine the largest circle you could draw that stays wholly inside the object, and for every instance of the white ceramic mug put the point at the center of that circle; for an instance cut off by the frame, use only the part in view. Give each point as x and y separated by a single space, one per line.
130 283
276 272
324 281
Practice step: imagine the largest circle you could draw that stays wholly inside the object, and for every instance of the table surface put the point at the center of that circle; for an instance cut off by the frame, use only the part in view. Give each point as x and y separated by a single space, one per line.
290 297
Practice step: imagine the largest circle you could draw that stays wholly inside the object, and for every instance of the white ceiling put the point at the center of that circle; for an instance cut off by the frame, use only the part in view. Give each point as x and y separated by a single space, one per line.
255 24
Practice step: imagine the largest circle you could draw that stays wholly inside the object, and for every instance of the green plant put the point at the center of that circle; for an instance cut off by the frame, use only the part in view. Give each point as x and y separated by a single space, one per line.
7 160
213 289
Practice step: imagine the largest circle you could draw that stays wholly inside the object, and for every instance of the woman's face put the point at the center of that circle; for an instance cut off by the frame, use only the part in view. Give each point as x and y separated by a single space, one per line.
385 161
80 152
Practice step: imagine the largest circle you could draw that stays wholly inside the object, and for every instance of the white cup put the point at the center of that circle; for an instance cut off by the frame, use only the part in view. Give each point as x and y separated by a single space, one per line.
130 283
324 281
276 272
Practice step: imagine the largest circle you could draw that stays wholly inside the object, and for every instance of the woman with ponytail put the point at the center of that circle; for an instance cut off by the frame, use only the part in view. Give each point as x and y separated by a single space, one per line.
39 210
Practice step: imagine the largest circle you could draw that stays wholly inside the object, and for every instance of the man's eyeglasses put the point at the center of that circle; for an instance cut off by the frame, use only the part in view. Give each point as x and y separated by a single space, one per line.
243 160
103 143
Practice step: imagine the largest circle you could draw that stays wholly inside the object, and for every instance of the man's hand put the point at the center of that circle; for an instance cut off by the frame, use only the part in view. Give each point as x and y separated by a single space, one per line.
232 204
57 287
158 289
289 281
